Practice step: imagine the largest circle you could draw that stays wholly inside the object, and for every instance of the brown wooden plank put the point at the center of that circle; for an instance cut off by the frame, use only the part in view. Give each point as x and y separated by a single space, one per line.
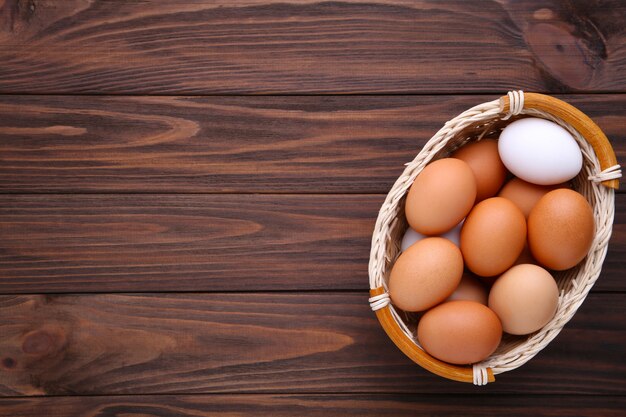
117 243
75 243
265 343
288 405
232 144
257 46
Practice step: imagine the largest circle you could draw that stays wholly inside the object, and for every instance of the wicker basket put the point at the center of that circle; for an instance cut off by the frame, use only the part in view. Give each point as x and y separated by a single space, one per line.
597 181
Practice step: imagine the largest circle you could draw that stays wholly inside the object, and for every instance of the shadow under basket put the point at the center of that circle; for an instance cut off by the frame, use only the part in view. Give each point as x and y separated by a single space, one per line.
597 182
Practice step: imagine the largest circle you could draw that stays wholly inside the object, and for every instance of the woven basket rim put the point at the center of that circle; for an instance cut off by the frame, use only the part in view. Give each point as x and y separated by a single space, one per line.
596 182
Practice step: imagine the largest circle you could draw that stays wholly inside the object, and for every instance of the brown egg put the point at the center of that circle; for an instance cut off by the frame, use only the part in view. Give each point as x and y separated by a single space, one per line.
525 299
526 257
425 274
469 289
560 229
441 196
493 236
459 332
484 160
525 195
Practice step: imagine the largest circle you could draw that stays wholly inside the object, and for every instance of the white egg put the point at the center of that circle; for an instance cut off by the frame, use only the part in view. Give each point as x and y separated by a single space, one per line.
454 234
540 151
411 236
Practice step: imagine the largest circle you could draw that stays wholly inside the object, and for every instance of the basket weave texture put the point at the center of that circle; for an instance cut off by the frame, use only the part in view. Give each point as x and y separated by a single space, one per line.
596 182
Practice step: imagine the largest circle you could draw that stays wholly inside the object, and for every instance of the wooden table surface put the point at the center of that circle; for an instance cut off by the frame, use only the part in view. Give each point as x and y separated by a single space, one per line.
188 190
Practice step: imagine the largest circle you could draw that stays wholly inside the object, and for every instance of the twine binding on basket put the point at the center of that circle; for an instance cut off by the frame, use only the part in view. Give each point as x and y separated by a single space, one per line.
379 301
611 173
516 103
480 375
574 284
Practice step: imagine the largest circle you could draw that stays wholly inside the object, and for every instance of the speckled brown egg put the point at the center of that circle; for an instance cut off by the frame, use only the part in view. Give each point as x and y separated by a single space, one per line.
560 229
525 195
425 274
493 236
484 160
441 196
459 332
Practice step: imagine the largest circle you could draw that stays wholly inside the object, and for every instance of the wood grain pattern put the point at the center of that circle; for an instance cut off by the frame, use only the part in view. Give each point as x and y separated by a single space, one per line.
115 243
285 405
265 343
256 46
192 243
176 245
232 144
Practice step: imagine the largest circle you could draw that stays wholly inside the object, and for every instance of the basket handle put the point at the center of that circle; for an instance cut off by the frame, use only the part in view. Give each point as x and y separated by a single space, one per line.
579 120
410 349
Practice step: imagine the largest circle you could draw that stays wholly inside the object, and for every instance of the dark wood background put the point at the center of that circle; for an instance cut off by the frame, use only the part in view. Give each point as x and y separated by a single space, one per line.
188 190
